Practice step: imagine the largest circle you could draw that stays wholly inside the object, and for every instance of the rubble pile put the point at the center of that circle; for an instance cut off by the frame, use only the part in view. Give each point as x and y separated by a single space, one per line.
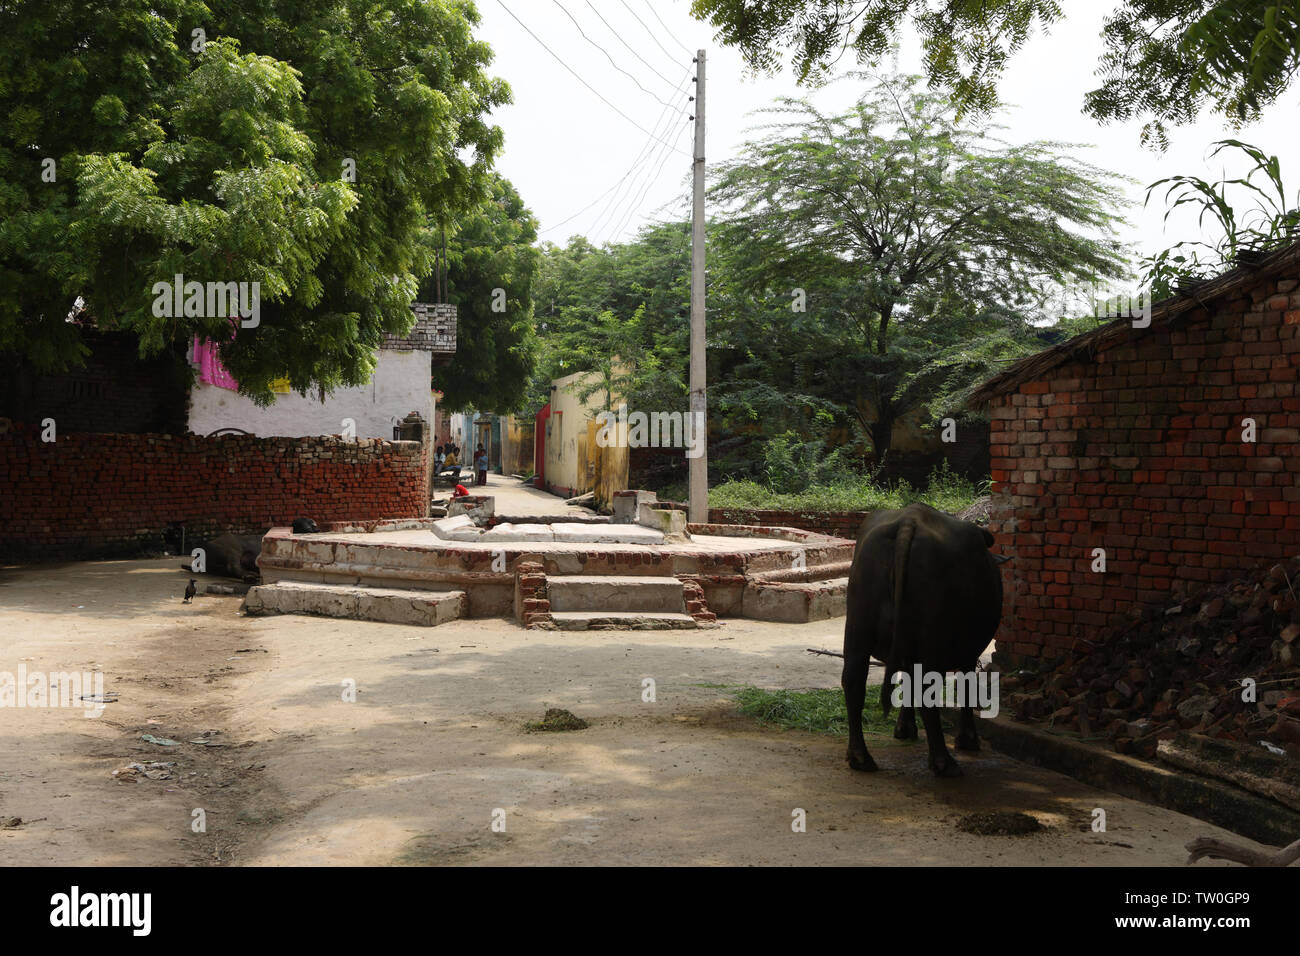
1187 666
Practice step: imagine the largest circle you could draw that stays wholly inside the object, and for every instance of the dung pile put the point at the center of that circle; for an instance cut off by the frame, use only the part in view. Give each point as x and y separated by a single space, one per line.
1217 660
556 719
999 823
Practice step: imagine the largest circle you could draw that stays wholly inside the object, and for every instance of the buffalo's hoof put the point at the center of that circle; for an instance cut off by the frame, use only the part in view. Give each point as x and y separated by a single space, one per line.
945 767
862 762
905 731
968 742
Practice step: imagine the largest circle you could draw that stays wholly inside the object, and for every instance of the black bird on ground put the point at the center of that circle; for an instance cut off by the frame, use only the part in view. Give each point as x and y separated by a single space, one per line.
191 589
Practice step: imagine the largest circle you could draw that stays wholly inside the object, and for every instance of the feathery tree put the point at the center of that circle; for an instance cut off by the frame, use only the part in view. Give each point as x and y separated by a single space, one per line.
927 236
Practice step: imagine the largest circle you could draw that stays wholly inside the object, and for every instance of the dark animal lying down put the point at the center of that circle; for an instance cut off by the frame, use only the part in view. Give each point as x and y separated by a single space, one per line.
304 526
923 589
232 556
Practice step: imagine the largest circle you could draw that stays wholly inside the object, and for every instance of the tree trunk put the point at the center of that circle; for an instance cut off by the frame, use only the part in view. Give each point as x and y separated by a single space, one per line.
882 338
882 434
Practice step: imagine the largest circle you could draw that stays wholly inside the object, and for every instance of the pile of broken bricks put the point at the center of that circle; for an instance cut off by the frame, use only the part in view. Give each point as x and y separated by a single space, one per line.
1185 667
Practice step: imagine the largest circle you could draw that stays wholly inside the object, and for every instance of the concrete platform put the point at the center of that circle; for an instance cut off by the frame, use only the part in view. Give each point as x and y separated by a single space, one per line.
530 567
389 605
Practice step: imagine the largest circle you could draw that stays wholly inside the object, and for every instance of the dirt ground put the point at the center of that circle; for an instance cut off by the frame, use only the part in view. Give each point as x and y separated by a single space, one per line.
415 769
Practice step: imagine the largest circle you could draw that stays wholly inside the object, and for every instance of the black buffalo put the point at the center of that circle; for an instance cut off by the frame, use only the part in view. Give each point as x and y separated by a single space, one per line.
923 589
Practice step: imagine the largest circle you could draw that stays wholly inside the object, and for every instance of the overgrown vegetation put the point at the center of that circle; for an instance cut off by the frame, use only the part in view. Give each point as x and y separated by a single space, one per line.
945 490
1244 231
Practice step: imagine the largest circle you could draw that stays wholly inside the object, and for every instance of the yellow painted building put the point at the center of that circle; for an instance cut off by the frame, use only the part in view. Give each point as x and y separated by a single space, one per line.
575 462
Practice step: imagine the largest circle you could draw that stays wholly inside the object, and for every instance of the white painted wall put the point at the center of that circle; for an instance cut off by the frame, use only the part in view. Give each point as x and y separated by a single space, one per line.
401 384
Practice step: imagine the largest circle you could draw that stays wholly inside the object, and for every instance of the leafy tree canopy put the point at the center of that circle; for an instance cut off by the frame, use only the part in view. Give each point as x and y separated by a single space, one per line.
301 144
493 268
628 302
1164 59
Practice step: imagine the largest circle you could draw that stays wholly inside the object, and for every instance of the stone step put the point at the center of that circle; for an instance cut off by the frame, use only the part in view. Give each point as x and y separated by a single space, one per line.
813 572
599 592
795 602
387 605
621 620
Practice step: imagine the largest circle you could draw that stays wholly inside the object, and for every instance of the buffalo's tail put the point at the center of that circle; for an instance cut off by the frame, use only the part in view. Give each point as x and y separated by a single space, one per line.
899 655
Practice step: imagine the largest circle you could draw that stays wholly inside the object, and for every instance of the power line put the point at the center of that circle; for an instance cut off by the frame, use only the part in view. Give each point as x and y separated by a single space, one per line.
607 56
639 203
575 74
669 32
649 152
648 30
618 36
586 207
636 162
630 203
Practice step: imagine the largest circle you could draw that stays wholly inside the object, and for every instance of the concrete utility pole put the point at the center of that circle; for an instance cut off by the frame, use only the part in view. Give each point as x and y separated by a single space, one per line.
698 510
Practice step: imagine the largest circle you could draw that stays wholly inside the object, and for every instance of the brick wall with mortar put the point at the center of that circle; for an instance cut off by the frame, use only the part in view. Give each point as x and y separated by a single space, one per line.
100 495
837 524
1139 452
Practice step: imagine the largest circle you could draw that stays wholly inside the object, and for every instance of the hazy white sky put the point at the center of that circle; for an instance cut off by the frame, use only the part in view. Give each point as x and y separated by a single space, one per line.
565 149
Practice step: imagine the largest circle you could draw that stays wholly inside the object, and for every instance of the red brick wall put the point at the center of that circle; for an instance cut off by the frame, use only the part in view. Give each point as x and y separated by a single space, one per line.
93 495
1139 452
837 524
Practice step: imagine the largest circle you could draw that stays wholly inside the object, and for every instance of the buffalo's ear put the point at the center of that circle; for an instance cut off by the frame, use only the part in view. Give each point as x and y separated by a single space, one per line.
988 538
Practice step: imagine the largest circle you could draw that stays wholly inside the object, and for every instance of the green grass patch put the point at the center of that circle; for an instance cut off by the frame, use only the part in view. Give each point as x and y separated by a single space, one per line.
945 491
818 711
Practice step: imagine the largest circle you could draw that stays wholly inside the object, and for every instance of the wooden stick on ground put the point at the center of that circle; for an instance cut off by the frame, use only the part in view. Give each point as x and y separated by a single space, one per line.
813 650
1219 850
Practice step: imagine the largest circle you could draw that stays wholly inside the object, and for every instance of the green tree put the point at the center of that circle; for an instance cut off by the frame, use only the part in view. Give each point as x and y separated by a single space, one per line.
1165 59
305 146
922 235
625 300
492 268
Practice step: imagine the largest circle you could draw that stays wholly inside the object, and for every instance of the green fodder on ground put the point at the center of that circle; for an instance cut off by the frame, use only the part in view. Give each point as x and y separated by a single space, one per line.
818 711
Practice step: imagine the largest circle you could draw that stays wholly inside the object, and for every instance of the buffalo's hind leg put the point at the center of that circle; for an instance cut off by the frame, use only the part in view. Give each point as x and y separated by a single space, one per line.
941 762
905 726
967 737
854 681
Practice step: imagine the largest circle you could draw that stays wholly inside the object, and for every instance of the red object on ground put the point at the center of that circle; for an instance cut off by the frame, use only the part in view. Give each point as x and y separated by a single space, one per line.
460 492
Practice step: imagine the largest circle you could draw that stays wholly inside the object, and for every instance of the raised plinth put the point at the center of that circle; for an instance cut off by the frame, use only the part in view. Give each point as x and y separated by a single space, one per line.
575 567
389 605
